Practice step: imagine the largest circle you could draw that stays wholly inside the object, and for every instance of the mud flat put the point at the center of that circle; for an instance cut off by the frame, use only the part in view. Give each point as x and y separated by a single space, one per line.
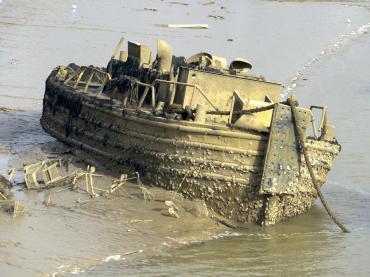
282 39
75 232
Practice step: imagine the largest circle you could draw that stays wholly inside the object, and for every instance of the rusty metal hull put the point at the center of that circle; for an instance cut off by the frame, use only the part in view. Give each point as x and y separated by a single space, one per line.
205 161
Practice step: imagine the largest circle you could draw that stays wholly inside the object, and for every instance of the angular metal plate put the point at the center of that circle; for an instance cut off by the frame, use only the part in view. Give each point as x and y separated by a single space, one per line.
282 161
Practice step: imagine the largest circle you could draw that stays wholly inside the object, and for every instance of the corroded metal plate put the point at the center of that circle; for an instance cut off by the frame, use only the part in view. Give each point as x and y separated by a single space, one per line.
282 160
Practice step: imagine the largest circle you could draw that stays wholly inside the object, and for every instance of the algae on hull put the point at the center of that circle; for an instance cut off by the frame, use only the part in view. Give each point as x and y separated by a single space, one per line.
184 124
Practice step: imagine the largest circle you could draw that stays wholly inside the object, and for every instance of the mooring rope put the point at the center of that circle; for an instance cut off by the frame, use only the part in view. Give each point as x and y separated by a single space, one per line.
292 104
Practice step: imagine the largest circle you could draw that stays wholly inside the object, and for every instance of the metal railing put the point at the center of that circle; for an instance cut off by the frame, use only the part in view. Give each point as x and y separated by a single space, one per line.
75 81
188 85
146 90
79 74
323 121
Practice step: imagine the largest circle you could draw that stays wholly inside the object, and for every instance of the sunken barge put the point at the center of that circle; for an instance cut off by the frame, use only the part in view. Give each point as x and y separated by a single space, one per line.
197 126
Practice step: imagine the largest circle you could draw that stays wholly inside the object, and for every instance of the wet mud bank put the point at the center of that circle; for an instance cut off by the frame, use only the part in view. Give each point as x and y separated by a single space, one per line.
95 237
132 223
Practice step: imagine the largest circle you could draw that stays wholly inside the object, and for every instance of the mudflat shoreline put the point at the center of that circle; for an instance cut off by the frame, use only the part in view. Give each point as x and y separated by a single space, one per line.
114 236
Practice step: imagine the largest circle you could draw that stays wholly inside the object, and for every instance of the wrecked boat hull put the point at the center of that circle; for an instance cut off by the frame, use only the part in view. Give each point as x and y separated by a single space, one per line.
216 163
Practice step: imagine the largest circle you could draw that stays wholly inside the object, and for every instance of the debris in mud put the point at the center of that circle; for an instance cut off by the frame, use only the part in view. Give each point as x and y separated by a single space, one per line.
89 180
185 26
10 109
216 17
223 221
117 184
6 203
178 3
175 202
47 202
51 173
10 243
49 170
150 9
209 3
140 220
13 61
172 212
18 209
147 9
146 193
10 173
4 149
82 202
59 172
13 208
4 184
173 209
3 196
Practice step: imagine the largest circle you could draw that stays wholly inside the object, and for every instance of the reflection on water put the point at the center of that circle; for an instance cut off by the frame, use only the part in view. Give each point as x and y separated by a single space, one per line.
280 39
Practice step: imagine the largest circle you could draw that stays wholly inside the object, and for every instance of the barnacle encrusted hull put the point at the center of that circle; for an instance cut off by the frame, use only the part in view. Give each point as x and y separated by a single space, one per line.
214 162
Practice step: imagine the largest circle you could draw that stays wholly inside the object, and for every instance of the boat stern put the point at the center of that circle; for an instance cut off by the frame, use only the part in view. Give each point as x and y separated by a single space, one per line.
286 181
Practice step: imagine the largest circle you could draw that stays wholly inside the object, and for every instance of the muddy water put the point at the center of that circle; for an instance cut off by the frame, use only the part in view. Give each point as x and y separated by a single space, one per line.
319 50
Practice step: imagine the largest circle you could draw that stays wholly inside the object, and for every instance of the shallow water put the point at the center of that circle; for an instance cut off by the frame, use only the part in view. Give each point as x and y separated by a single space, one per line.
318 50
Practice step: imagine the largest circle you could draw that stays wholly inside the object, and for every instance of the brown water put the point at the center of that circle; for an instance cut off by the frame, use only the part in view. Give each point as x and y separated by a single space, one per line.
320 50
